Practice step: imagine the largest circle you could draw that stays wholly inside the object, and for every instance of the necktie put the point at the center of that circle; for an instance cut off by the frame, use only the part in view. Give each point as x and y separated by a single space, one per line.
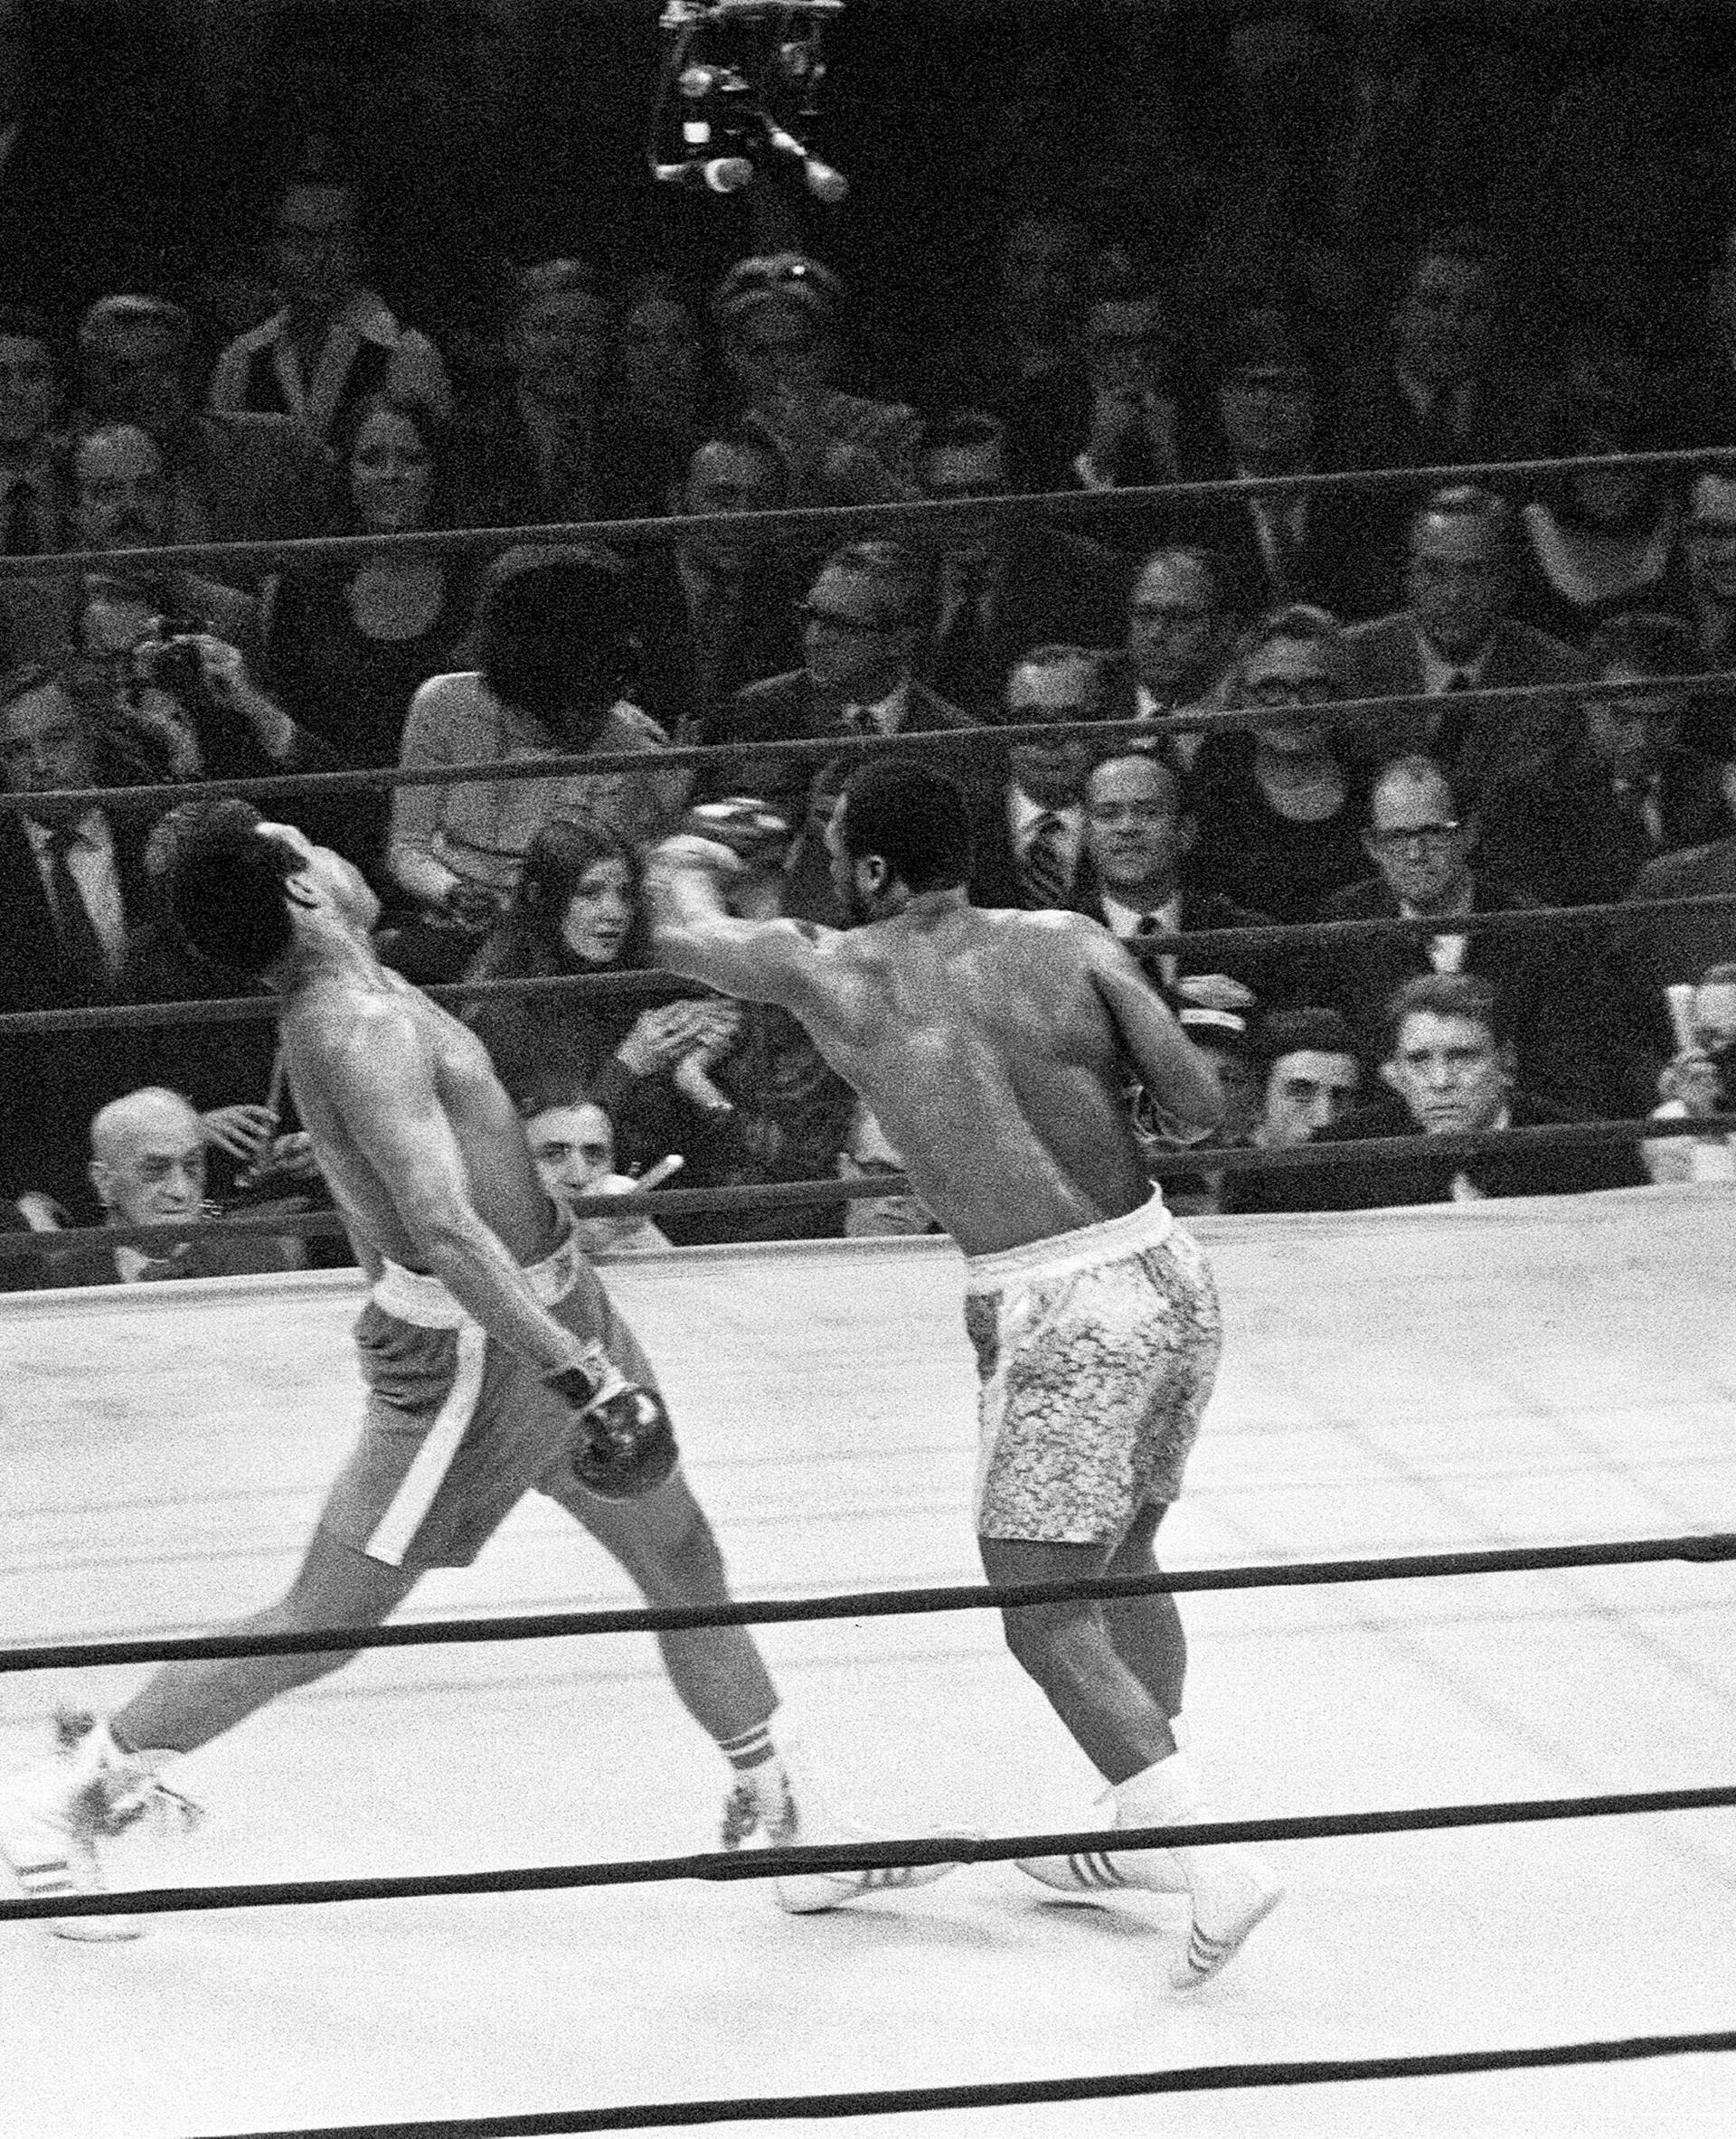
1043 877
1638 797
1164 965
80 946
859 719
20 519
1454 721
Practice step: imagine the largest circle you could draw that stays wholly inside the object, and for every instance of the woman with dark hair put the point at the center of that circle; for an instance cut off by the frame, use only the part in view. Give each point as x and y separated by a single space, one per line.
576 911
347 643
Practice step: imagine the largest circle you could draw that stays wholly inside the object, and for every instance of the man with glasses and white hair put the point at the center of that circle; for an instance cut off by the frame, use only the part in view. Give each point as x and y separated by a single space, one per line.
1423 845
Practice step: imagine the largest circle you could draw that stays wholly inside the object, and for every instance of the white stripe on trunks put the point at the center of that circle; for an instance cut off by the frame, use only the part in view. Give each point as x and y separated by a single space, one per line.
404 1513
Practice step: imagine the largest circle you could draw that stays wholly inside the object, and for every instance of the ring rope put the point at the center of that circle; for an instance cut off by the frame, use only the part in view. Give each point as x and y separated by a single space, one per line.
801 1195
870 1604
981 736
1095 2087
824 519
241 1009
858 1856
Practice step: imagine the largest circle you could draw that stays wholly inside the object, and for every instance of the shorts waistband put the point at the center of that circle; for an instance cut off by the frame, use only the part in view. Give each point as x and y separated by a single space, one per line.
416 1297
1081 1249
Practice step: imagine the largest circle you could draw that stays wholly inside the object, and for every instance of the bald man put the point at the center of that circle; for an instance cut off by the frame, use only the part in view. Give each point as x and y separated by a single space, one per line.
147 1167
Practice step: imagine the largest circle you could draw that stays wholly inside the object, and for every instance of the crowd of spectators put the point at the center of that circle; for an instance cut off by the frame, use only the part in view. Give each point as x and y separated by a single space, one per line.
1361 263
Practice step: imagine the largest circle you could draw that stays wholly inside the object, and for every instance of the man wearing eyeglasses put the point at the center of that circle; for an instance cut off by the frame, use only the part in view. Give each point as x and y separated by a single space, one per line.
1454 636
1423 845
1176 643
861 626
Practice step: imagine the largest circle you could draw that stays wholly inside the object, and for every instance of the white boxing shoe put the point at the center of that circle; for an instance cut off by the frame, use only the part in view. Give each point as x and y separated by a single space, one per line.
53 1816
763 1801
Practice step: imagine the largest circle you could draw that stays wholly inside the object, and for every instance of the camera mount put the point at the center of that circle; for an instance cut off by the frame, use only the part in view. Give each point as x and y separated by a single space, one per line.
739 77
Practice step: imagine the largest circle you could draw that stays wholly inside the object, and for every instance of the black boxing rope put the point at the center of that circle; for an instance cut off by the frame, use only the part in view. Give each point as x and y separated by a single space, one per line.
1185 2079
871 1604
814 1857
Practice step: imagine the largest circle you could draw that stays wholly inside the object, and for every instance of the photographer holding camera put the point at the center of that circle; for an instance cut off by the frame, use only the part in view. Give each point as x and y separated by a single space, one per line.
1698 1083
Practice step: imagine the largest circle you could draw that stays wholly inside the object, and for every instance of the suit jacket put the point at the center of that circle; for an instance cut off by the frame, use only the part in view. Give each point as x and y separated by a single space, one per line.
1548 983
676 680
1565 834
495 471
1499 741
1380 1184
1327 566
247 1255
1651 952
1053 587
787 708
1262 969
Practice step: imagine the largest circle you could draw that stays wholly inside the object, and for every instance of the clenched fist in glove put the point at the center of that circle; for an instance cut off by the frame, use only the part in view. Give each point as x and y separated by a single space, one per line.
627 1446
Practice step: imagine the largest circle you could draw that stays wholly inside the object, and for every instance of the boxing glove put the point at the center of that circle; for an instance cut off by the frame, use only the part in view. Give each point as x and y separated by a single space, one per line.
627 1446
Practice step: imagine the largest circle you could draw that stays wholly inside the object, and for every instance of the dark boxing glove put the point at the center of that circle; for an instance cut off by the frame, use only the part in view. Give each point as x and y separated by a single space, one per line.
627 1446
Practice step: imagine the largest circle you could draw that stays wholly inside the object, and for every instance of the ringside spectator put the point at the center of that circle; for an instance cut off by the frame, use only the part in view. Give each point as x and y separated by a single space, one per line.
1700 1080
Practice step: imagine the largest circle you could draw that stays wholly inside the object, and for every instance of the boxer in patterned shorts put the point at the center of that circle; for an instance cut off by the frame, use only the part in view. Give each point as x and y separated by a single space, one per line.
992 1049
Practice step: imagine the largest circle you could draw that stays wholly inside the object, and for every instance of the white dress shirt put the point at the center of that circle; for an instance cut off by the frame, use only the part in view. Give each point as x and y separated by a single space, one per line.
1124 923
887 715
1445 951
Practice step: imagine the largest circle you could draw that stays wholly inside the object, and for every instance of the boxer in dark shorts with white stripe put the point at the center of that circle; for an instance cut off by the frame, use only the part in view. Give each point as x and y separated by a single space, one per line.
992 1048
495 1365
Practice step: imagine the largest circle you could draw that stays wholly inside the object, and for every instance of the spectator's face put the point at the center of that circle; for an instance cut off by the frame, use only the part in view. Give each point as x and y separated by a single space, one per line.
598 914
133 374
1446 323
656 352
1415 840
1268 417
775 349
1239 1081
319 261
123 498
856 644
1170 625
1450 1073
573 1147
727 479
1630 733
1134 832
1051 773
1711 539
391 474
1457 580
1290 672
1127 348
559 344
26 392
967 539
1044 279
1307 1091
45 746
155 1174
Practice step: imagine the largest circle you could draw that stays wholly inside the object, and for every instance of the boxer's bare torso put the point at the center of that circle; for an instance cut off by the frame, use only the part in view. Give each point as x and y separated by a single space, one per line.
992 1047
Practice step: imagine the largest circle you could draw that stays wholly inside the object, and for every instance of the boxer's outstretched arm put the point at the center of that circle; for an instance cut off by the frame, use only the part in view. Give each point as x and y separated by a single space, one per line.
1180 1081
378 1079
694 933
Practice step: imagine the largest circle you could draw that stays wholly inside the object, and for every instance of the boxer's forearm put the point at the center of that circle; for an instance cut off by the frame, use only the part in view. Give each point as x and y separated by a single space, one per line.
486 1281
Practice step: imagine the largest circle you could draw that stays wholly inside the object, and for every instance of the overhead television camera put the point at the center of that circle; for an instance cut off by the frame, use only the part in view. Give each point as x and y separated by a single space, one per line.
741 80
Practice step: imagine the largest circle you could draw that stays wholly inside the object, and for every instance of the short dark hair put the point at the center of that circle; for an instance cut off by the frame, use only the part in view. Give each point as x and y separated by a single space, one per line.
23 323
1308 1030
1444 994
225 885
1155 753
552 625
898 574
131 309
917 820
1465 501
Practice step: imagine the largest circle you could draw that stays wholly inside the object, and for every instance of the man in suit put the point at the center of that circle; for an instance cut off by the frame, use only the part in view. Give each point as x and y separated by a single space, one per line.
1174 640
233 476
1288 546
1449 1068
1004 586
147 1168
716 610
1423 846
1045 802
1452 635
1139 833
72 888
861 629
1580 831
1655 951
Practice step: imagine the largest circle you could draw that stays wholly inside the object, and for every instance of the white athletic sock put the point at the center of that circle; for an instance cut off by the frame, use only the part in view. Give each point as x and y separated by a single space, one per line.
1231 1888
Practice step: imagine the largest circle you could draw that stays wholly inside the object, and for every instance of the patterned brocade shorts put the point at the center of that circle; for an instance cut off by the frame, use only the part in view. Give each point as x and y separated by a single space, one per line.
1095 1350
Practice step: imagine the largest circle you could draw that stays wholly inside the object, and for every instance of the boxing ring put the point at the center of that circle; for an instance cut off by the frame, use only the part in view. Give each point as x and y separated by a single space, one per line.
1495 1377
